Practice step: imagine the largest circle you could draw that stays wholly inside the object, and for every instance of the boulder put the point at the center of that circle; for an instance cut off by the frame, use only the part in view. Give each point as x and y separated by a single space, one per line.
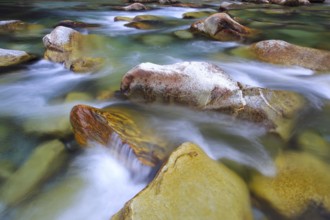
222 27
123 130
67 46
284 53
12 25
205 86
133 7
190 185
197 14
47 159
300 187
13 57
290 2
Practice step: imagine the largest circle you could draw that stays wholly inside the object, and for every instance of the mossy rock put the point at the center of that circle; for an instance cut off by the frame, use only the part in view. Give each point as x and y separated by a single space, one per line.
197 14
13 57
300 185
190 185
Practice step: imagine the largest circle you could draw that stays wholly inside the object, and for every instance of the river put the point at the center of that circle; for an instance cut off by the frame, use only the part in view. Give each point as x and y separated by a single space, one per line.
32 96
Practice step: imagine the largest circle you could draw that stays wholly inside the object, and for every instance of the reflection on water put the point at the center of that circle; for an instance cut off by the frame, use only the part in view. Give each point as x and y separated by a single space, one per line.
96 184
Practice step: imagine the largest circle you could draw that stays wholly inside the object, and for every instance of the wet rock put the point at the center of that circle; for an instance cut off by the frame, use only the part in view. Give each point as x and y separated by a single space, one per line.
120 129
156 40
42 164
146 22
13 57
197 14
183 34
78 96
133 7
221 27
168 2
283 53
122 18
12 25
313 143
67 46
178 191
205 86
57 126
300 186
76 24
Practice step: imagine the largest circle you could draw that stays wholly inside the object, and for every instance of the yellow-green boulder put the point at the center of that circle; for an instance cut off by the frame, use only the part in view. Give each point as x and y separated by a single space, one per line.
302 181
190 185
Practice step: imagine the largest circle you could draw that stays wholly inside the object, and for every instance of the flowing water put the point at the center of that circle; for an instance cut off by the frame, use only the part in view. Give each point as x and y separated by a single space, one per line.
33 97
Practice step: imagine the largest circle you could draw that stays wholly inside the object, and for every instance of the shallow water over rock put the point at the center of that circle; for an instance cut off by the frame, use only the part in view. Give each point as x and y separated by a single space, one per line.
95 183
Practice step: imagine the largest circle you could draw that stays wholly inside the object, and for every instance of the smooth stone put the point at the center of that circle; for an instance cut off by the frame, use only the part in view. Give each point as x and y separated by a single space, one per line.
284 53
313 143
45 161
122 18
301 185
135 7
77 96
122 130
12 25
76 24
222 27
205 86
179 191
68 46
44 126
197 14
183 34
13 57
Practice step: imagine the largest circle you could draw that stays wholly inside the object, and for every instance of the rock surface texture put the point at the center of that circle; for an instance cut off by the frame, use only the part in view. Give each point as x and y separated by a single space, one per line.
301 184
67 46
120 130
205 86
281 52
179 191
222 27
13 57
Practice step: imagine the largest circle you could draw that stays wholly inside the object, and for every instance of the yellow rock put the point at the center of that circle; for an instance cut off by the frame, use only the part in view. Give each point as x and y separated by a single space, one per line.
13 57
190 186
44 161
302 180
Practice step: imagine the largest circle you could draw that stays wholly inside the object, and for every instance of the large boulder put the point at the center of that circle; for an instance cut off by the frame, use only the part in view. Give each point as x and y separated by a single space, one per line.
120 129
300 187
190 185
65 45
222 27
13 57
132 7
284 53
47 159
205 86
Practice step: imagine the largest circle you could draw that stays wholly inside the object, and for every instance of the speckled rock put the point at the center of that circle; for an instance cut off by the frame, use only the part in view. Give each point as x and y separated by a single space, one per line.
67 46
222 27
284 53
205 86
13 57
179 191
301 184
43 163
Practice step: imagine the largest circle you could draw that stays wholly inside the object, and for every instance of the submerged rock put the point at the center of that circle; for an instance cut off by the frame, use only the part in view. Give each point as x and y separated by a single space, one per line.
197 14
76 24
13 57
179 191
12 25
283 53
205 86
65 45
47 159
222 27
300 186
120 129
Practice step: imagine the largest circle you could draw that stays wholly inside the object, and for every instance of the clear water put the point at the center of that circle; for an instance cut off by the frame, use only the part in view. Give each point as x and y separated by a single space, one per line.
34 94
